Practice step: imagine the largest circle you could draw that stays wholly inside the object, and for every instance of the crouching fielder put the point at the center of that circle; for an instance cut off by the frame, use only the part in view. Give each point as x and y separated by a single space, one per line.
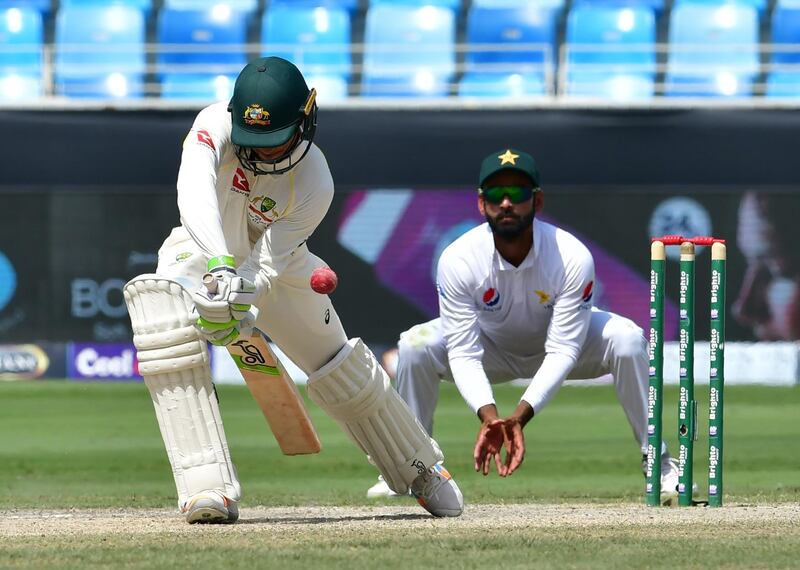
252 187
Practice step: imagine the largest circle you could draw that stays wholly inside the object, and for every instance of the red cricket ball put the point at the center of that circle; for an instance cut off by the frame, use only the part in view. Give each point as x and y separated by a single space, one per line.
324 280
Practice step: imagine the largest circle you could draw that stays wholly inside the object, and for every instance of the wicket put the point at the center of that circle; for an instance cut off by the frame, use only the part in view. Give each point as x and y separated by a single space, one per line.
687 405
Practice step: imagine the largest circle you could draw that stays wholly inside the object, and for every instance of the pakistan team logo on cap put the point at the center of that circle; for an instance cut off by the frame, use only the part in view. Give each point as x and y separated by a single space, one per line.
255 114
508 157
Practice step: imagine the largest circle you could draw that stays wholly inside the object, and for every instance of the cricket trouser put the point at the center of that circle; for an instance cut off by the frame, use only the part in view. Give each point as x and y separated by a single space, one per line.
614 345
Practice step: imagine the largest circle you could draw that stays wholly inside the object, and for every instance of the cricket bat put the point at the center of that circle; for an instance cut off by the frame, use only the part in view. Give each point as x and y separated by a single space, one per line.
273 390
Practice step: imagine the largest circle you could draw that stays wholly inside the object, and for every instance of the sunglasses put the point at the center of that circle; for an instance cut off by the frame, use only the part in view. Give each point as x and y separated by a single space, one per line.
516 194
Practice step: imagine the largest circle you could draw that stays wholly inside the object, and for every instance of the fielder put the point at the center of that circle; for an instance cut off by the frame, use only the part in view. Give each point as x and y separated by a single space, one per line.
252 188
515 301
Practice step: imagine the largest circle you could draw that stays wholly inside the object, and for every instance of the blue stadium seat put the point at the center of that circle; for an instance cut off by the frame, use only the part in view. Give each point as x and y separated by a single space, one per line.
317 40
713 50
514 86
618 87
21 38
209 43
515 46
656 5
99 51
201 87
783 85
786 33
248 6
760 5
552 4
451 4
350 5
143 5
784 76
42 6
612 41
14 87
409 51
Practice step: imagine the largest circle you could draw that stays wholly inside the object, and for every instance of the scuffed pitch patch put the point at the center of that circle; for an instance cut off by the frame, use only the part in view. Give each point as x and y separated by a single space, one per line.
318 519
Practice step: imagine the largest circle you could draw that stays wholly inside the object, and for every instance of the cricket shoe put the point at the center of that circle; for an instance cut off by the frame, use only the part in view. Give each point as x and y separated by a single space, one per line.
381 490
438 494
210 507
670 480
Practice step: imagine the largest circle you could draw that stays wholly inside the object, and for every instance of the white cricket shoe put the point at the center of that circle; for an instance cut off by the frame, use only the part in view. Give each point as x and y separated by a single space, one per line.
438 494
210 507
381 490
669 480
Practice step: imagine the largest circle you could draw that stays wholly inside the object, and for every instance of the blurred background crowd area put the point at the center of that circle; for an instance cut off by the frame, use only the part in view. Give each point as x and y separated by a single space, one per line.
607 50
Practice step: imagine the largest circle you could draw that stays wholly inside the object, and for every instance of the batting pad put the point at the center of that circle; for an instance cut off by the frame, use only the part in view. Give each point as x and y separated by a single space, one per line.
356 392
174 362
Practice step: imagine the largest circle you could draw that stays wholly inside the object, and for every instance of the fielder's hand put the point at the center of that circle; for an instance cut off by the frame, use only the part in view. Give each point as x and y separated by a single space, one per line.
492 437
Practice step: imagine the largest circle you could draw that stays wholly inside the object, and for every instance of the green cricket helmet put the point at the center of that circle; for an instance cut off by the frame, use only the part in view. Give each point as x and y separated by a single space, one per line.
271 105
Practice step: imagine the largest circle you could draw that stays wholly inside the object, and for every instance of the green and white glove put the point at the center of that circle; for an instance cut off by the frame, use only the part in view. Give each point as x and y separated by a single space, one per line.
223 306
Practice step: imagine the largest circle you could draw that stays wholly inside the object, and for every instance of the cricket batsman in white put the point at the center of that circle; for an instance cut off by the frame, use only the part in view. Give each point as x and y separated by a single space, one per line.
515 301
252 188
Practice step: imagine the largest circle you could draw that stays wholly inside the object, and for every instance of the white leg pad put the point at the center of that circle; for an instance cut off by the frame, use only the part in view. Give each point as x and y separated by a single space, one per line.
174 362
356 392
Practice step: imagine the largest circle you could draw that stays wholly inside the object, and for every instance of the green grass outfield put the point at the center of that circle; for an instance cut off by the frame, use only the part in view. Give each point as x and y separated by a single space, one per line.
97 445
81 445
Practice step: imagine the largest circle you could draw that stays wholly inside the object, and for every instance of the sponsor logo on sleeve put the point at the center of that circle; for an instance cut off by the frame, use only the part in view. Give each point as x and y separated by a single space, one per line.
586 296
203 137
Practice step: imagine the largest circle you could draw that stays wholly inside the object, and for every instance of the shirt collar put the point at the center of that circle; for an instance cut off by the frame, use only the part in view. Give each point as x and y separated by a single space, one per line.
529 261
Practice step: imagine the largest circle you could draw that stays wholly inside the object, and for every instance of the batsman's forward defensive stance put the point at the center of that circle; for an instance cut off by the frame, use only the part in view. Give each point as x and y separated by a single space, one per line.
515 301
252 187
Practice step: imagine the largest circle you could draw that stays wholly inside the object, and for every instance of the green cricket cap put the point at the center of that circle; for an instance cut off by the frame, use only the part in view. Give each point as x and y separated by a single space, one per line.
268 100
509 159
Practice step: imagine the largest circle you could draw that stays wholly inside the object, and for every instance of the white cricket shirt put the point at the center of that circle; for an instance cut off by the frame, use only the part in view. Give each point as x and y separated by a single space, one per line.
542 307
260 220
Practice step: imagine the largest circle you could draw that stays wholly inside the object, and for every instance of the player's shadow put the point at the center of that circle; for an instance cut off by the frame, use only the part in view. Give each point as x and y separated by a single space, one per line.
335 519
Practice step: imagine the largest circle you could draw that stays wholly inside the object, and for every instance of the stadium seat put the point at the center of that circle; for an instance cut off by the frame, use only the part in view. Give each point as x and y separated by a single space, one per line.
512 46
618 87
713 50
317 40
350 5
247 6
552 4
611 51
41 6
656 5
144 5
514 85
21 38
760 5
203 44
202 87
99 51
784 74
451 4
14 87
409 51
783 85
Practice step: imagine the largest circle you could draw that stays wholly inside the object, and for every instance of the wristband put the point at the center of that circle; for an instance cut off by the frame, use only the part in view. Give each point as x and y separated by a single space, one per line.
222 263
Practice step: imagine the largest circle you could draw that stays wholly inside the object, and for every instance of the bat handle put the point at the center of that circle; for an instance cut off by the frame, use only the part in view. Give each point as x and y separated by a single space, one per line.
210 283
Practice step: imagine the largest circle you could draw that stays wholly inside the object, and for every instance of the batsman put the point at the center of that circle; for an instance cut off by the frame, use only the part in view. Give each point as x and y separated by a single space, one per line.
252 187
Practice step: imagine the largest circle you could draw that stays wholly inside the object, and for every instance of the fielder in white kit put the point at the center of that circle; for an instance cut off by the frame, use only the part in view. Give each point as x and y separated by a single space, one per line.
252 187
515 301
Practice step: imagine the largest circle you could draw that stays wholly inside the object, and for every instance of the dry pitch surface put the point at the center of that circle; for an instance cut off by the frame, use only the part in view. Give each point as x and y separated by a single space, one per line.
309 523
513 536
